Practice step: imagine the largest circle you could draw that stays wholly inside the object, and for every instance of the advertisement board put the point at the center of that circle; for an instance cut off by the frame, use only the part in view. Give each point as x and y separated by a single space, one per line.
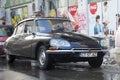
101 17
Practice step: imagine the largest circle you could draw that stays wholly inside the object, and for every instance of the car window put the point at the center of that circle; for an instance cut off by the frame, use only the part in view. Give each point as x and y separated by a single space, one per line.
2 32
43 26
6 31
9 31
20 28
29 26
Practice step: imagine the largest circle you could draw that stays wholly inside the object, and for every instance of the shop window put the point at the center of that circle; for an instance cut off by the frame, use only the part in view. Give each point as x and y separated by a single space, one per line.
52 8
19 14
29 26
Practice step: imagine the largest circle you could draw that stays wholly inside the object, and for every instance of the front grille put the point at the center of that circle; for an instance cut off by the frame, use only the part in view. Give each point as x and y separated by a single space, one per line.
86 48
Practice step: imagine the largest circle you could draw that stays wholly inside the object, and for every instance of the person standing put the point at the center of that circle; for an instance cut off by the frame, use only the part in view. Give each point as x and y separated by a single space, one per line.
97 26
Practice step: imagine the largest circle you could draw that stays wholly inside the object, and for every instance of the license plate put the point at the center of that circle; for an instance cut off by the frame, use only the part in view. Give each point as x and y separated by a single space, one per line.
88 55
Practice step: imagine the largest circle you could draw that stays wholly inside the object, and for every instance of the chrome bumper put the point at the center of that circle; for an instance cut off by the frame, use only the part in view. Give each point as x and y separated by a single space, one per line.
75 51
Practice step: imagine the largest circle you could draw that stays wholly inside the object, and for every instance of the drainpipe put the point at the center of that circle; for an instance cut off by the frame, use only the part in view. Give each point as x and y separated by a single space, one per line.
87 15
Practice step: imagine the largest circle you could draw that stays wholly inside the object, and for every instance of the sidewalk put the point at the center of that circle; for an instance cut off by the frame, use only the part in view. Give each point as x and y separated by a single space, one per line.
109 58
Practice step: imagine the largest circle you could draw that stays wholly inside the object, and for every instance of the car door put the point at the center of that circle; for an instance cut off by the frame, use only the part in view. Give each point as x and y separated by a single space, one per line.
21 41
14 41
26 39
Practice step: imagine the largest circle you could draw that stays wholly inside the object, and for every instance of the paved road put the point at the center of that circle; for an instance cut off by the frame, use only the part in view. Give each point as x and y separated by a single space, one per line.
22 70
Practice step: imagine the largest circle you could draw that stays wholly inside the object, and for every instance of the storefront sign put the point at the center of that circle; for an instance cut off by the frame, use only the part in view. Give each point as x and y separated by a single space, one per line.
72 10
93 8
10 3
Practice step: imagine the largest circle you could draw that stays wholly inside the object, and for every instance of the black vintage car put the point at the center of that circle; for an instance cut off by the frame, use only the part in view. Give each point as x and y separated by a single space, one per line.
51 40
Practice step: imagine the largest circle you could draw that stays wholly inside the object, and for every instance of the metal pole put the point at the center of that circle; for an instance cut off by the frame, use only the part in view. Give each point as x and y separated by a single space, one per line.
87 24
102 16
118 6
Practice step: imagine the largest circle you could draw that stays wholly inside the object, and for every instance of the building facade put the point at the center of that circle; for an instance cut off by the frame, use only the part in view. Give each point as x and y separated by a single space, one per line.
82 13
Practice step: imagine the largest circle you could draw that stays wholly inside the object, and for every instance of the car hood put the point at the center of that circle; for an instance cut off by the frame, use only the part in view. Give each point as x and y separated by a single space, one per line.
78 40
3 39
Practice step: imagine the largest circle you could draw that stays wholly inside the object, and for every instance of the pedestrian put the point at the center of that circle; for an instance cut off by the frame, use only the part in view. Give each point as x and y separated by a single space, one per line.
105 29
97 26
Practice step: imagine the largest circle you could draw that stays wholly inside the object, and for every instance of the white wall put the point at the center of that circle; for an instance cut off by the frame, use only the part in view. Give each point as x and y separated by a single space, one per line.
119 6
2 12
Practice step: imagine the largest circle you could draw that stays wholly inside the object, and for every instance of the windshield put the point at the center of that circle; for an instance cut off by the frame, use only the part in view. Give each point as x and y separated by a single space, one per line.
54 25
5 31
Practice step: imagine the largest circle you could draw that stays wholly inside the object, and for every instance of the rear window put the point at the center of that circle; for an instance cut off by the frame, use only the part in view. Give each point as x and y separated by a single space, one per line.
6 31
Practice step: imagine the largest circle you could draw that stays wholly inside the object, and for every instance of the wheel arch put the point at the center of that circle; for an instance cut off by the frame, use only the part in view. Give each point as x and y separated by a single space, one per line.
37 47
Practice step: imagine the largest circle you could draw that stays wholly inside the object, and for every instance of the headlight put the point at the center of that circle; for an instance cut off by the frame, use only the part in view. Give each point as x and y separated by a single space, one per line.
59 43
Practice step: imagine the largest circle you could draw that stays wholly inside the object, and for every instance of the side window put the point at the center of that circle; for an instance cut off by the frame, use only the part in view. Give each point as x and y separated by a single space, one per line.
20 28
29 26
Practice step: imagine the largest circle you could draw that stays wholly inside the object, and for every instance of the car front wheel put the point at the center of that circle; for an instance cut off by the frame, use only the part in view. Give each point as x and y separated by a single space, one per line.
95 63
43 59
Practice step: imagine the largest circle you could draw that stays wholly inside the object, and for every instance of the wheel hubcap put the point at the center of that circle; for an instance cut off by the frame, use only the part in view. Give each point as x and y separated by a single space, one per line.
42 57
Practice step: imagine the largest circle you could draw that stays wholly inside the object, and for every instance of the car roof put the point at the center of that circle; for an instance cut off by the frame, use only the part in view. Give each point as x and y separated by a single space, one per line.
35 18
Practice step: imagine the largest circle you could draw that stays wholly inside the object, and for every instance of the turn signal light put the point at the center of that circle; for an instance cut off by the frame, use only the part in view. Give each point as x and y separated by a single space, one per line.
53 48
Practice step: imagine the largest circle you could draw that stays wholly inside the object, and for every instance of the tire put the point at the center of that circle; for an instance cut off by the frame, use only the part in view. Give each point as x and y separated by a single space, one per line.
95 63
43 59
10 58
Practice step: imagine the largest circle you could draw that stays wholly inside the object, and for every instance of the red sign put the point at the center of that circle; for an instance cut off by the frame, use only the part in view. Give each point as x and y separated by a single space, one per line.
72 10
93 8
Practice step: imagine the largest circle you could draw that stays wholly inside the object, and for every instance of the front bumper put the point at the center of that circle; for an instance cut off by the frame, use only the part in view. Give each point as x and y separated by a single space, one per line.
75 51
73 55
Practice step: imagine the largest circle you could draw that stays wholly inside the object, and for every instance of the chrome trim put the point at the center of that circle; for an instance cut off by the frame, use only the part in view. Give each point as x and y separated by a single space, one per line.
87 48
73 51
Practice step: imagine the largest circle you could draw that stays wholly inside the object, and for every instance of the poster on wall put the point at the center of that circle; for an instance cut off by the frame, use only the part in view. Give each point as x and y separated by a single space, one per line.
109 9
101 17
95 19
61 12
81 17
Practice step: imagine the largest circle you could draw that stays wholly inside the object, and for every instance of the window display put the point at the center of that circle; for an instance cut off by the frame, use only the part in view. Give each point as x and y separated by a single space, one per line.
18 14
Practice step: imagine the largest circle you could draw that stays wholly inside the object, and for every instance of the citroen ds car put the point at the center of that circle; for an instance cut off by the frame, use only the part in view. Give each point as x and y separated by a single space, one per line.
51 40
